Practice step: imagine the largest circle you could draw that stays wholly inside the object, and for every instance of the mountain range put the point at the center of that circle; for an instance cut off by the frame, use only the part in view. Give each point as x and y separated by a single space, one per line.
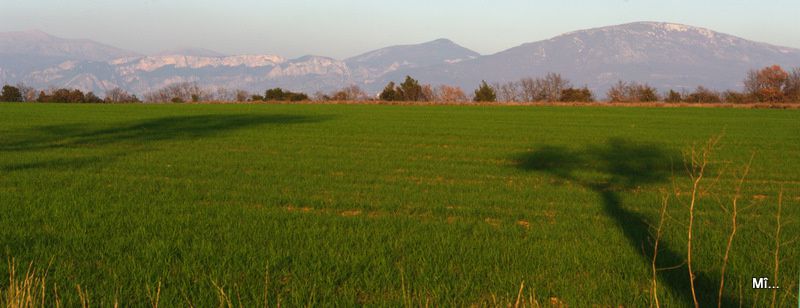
663 55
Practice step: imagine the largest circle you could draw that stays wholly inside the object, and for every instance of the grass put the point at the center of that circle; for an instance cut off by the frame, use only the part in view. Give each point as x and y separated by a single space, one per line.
390 205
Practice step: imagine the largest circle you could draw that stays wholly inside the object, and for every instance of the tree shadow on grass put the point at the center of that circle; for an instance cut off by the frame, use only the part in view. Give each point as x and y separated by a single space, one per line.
612 169
138 136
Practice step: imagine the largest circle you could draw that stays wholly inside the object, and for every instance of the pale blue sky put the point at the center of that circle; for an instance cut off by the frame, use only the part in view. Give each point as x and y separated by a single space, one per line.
345 28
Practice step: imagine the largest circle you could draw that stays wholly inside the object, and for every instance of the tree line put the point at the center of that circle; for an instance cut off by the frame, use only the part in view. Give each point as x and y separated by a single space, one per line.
771 84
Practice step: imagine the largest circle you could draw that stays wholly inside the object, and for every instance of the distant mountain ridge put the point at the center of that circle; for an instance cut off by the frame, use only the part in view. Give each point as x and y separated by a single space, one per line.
23 53
35 42
379 62
664 55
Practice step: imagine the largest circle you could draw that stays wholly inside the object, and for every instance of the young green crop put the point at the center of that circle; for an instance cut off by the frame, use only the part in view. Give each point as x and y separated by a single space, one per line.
388 205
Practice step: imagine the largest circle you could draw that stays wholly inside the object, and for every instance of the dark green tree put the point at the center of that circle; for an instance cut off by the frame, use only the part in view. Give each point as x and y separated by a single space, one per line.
485 93
62 96
410 90
76 96
92 98
275 94
295 97
10 94
278 94
389 93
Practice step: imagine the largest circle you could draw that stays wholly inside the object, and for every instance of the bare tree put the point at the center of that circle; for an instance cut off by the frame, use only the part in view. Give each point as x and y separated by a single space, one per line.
28 93
553 85
241 95
508 92
428 94
528 89
179 92
118 95
792 87
618 92
354 92
321 96
445 93
751 83
349 93
735 97
223 95
548 88
703 95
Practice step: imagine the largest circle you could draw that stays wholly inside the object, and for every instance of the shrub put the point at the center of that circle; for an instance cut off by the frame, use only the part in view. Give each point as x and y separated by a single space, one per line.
275 94
646 93
624 92
736 97
577 95
278 94
295 97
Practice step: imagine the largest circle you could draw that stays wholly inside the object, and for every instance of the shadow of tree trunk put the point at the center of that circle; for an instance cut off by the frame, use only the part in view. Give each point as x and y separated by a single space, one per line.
626 165
143 135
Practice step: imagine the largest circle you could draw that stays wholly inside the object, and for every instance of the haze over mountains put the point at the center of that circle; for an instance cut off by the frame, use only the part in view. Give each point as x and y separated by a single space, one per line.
664 55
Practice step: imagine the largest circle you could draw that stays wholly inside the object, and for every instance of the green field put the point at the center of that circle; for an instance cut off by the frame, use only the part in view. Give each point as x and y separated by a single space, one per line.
391 205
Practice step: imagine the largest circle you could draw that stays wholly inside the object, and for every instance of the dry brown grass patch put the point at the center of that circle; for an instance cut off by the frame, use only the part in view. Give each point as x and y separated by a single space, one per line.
350 213
493 222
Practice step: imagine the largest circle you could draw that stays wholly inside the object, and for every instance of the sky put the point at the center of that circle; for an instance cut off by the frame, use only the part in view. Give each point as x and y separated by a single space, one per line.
345 28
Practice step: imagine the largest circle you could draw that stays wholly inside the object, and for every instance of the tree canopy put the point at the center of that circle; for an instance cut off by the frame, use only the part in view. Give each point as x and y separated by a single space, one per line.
485 93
